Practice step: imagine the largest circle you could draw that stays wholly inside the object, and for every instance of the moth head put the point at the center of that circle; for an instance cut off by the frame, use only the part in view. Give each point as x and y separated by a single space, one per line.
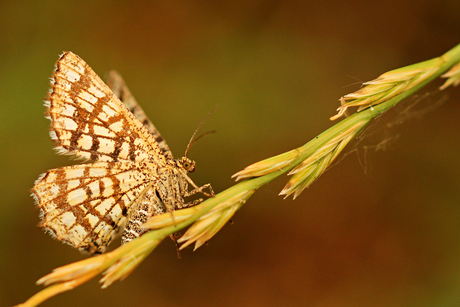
187 164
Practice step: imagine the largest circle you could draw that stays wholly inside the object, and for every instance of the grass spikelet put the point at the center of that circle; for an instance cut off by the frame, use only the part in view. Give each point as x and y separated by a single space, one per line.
453 76
172 218
117 264
311 168
75 270
388 85
128 262
210 223
267 166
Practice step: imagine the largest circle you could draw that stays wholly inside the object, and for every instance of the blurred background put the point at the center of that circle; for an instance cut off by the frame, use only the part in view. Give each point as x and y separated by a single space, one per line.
380 228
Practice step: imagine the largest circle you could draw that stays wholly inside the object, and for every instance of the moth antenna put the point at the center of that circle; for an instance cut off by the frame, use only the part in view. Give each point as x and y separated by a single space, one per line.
201 135
191 142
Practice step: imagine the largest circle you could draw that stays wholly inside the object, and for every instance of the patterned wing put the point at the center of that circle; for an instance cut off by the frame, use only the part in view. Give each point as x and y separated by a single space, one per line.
86 205
89 121
119 88
147 206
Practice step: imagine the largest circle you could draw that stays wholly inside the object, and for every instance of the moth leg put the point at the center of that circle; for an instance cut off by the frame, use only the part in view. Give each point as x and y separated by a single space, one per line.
191 203
201 190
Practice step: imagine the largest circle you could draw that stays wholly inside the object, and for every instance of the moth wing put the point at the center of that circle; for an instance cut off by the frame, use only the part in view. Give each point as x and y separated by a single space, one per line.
87 205
89 121
146 206
119 88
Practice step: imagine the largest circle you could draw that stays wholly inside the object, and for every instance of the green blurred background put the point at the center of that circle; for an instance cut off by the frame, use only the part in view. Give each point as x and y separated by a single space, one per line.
380 228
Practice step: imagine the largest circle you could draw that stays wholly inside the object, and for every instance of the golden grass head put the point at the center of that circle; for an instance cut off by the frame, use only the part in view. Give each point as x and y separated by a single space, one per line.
388 85
267 166
210 223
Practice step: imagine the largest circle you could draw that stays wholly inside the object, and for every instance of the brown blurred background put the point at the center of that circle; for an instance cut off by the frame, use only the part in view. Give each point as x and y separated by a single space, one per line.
380 228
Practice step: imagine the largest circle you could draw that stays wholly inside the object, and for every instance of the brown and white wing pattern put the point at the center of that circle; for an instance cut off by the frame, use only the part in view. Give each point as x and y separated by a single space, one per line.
89 121
133 175
119 88
147 206
86 205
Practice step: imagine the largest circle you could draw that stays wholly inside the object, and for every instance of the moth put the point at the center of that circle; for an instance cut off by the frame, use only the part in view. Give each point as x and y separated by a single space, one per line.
131 174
